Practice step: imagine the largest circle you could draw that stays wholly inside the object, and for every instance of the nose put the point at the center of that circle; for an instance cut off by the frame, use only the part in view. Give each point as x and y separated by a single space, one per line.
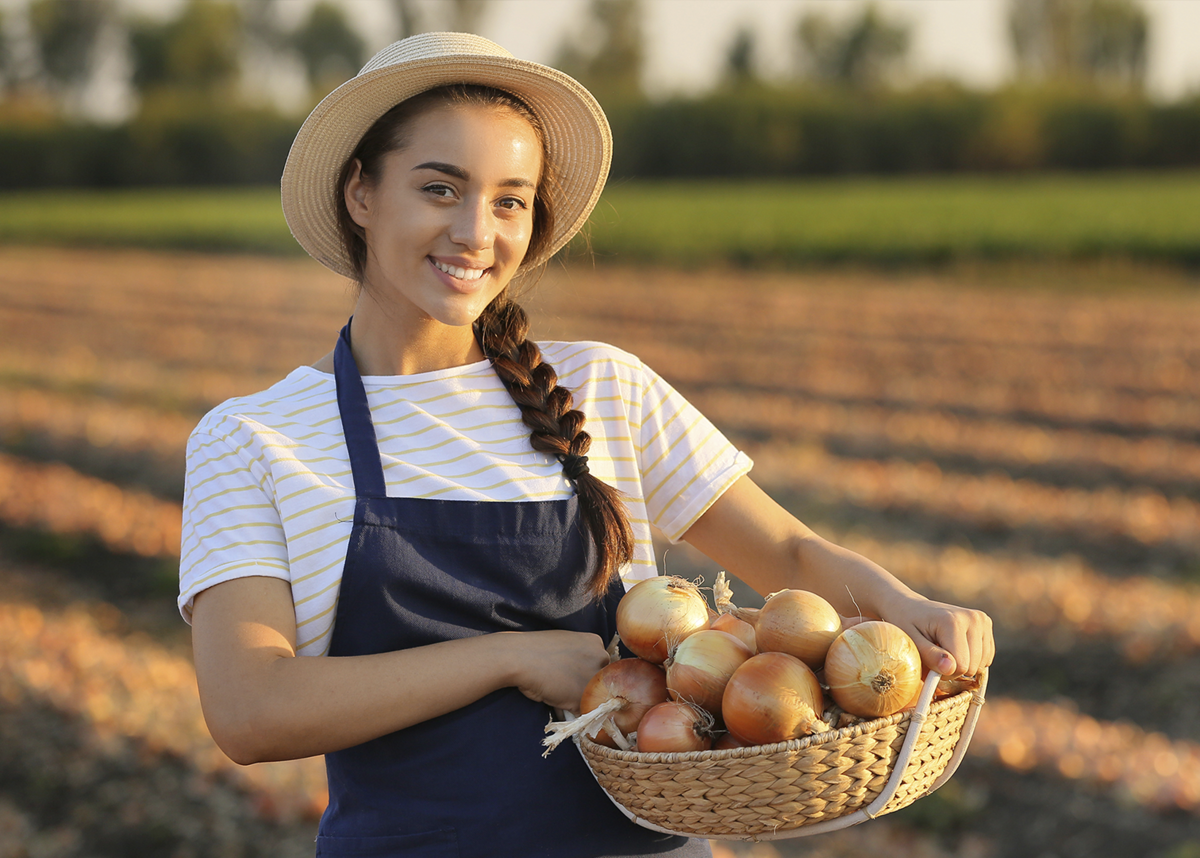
474 225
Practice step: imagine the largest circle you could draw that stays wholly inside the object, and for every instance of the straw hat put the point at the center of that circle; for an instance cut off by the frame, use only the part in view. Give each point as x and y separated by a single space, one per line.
578 140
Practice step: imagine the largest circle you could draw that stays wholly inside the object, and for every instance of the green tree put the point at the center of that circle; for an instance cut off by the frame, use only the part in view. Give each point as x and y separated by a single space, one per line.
608 56
741 61
1102 42
331 50
66 33
860 53
199 51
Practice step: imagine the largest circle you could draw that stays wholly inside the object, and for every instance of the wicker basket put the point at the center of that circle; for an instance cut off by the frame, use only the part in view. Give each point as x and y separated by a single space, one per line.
791 789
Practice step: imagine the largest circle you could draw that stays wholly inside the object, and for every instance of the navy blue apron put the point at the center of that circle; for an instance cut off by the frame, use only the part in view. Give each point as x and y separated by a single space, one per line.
472 783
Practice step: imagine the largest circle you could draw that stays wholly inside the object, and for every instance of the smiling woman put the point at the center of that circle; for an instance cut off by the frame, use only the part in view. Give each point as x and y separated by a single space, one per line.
404 556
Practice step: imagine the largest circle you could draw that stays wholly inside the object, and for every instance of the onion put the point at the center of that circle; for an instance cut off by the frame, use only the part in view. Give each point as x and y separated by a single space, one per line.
728 741
873 669
634 684
700 666
675 727
658 614
773 697
797 622
740 629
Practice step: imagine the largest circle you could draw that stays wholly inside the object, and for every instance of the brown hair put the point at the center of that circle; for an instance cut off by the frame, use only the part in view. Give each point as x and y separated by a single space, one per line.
502 328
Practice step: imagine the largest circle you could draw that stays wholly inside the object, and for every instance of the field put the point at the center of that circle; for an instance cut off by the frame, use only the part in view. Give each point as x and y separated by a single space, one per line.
1023 437
1149 216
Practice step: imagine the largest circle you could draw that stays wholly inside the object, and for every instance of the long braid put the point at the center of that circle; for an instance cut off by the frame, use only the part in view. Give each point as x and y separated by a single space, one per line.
557 428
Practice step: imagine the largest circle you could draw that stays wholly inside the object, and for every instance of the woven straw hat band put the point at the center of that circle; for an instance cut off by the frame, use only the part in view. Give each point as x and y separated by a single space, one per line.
577 137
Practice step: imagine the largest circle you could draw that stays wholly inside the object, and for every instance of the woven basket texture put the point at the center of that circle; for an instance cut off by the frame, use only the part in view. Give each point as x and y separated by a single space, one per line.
770 788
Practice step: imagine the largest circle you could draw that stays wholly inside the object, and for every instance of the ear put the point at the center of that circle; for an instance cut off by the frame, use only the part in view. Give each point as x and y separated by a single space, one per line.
357 194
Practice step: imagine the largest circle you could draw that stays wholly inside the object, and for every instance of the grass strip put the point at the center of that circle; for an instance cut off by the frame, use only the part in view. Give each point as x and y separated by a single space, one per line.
1146 216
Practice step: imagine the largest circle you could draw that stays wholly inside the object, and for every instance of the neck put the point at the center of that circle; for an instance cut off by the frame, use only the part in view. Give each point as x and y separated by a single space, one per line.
383 345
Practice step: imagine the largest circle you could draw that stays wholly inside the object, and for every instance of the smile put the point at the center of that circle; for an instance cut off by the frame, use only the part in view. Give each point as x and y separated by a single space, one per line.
459 273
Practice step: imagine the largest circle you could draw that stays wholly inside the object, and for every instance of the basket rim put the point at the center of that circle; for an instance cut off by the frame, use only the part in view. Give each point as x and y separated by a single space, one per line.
830 737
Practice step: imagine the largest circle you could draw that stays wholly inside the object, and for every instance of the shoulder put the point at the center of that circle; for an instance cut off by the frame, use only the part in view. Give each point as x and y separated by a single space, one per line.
298 399
589 359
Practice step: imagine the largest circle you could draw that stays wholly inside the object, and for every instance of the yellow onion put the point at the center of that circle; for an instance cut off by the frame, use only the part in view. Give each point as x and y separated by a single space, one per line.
659 613
700 666
797 622
675 727
635 686
773 697
873 669
740 629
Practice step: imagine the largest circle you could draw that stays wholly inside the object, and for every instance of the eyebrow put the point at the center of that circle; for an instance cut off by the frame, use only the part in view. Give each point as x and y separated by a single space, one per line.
459 173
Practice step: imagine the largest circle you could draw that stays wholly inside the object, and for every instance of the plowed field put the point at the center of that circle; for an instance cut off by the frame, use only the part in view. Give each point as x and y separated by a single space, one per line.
1023 440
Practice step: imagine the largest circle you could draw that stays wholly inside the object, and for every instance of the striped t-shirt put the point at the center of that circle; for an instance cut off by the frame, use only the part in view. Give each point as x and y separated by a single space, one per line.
269 489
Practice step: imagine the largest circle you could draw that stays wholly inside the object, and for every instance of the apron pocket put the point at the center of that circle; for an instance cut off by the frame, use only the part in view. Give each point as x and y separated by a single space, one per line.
442 843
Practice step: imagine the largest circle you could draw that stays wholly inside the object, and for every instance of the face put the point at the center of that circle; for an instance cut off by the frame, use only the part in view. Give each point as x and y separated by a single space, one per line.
449 218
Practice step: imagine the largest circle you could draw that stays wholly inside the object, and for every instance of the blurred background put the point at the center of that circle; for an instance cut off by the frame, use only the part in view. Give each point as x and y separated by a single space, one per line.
933 264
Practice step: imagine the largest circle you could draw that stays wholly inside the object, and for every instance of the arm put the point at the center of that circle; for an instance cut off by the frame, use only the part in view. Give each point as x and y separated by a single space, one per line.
757 540
262 702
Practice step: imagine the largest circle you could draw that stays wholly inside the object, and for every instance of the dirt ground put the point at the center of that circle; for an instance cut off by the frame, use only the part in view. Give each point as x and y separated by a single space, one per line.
983 431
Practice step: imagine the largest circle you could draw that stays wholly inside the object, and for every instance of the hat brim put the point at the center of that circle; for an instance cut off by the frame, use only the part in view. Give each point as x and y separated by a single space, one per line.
577 137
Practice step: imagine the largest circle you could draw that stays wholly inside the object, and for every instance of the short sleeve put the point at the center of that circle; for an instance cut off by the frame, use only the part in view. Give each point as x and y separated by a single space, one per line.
231 525
686 463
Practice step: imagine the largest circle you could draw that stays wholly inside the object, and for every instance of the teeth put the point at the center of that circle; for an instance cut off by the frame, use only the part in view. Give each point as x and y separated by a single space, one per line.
460 273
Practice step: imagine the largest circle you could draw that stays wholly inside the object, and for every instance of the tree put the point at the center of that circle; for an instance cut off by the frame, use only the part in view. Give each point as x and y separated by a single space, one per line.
861 53
740 59
199 51
607 57
331 50
66 33
1103 42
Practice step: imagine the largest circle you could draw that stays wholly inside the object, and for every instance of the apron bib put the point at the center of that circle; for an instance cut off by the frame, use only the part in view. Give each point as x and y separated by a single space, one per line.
471 783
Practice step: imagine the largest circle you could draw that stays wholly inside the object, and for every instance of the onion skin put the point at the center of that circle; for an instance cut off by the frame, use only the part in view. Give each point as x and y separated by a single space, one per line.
740 629
797 622
699 668
675 728
773 697
659 613
639 683
873 669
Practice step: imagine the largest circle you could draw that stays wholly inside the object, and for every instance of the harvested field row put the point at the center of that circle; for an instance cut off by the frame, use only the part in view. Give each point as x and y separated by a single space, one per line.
990 501
994 444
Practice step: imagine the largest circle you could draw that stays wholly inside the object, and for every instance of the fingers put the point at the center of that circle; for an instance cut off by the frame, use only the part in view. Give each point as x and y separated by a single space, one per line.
952 641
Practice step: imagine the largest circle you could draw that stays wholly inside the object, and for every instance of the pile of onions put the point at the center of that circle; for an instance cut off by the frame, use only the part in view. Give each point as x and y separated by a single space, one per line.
658 614
873 669
752 672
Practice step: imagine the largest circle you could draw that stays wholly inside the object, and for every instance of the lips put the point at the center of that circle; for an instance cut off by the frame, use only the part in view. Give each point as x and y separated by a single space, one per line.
457 272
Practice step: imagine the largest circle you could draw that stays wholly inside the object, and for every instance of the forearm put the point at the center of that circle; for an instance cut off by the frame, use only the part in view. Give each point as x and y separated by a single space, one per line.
281 706
854 585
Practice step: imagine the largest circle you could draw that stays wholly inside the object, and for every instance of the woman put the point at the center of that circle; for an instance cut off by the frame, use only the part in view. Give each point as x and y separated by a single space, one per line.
424 505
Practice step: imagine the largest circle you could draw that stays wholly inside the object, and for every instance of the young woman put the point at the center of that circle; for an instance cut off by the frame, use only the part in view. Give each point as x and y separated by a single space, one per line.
402 556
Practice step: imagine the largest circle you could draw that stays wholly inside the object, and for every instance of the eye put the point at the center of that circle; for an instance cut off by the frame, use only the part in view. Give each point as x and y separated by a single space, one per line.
513 204
438 189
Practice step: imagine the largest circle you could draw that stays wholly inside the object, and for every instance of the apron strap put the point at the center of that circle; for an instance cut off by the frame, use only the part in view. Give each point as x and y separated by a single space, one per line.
365 463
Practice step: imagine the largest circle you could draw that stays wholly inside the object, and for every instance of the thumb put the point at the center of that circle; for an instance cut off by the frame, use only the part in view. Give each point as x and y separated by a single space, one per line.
934 657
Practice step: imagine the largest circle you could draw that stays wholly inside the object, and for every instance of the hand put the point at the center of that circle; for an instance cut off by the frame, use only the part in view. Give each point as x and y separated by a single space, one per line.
553 667
952 641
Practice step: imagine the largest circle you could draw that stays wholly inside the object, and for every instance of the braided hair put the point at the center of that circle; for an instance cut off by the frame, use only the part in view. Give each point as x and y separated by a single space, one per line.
502 329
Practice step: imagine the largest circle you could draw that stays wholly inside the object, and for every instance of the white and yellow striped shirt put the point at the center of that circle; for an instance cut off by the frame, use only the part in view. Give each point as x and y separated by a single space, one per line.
269 490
